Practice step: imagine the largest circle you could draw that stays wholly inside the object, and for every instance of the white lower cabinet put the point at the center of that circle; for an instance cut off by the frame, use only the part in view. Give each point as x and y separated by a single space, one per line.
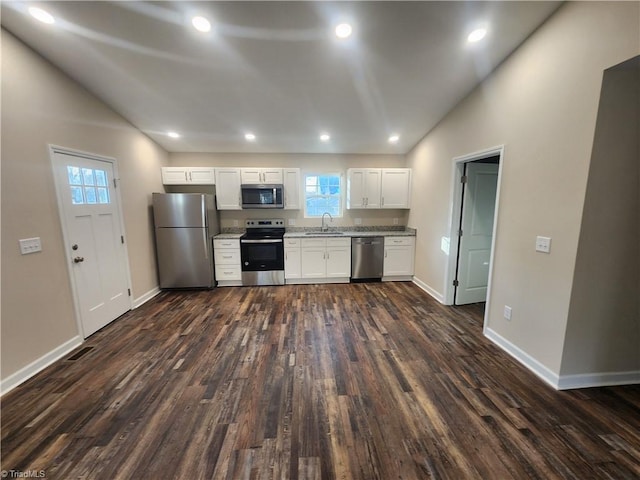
226 254
399 255
318 260
292 259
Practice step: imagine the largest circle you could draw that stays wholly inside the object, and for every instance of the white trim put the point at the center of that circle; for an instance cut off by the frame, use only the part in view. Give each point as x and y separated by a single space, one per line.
145 297
25 373
537 368
431 291
603 379
53 150
454 218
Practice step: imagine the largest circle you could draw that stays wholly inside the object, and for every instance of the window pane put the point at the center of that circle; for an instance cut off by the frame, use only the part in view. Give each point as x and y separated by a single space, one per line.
87 176
76 196
101 178
90 193
103 195
323 194
74 175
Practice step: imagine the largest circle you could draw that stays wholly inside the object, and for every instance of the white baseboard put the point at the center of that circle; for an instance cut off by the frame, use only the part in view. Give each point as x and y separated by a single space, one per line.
144 298
431 291
563 382
541 371
604 379
25 373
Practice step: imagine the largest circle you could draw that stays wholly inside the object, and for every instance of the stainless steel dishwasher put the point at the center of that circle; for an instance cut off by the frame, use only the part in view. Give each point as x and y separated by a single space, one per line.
367 258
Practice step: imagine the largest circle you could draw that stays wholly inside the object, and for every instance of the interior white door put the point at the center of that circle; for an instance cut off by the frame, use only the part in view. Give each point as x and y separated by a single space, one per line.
94 238
478 209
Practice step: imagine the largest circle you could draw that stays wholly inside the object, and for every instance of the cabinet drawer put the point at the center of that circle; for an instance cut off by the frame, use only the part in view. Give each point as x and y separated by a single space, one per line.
292 242
314 242
339 242
227 257
399 241
228 272
226 243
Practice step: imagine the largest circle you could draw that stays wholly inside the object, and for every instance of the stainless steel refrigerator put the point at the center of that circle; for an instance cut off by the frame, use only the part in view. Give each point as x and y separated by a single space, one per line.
185 224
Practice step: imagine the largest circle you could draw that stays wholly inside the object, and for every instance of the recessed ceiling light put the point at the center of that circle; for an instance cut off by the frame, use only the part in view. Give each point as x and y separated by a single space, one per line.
201 24
344 30
477 35
42 15
325 137
394 138
249 137
173 134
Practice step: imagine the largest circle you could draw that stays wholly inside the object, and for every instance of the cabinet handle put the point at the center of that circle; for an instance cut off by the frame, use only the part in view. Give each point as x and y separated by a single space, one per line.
385 253
382 205
190 177
186 178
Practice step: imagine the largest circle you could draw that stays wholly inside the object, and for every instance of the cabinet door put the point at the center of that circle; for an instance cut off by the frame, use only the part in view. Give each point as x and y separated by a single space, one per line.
396 188
355 187
252 176
174 176
272 175
372 188
292 189
201 176
313 262
338 262
398 261
292 263
228 188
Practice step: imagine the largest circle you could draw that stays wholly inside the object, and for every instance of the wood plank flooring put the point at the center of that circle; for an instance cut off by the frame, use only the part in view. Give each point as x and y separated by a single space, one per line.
356 381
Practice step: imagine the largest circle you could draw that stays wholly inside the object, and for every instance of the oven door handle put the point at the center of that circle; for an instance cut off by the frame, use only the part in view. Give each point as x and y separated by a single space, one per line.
266 240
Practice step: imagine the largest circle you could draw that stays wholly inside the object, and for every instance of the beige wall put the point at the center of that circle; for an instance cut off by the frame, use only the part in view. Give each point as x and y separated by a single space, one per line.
603 329
41 106
321 163
541 103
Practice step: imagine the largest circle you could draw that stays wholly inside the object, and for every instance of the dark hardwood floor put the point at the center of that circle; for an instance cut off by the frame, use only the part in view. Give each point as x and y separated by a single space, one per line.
357 381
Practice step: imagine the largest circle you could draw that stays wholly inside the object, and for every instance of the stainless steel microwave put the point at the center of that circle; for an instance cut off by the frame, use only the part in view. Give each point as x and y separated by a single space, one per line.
262 196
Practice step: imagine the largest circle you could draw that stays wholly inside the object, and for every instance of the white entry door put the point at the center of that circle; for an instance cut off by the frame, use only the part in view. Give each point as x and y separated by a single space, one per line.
94 238
478 211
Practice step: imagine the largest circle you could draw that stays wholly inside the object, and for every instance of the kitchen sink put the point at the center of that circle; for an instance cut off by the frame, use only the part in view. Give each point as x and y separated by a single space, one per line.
324 233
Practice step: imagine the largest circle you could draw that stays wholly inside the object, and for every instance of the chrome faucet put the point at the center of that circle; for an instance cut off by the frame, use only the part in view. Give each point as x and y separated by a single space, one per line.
325 227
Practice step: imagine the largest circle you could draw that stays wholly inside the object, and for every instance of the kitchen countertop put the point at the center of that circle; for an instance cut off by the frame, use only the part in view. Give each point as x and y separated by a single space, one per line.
228 236
342 232
407 232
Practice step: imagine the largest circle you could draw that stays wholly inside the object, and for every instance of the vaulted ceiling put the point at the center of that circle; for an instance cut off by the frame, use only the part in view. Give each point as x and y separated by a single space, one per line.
277 69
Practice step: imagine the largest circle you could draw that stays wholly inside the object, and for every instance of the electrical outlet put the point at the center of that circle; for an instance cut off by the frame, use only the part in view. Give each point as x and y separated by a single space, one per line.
395 221
507 312
543 244
358 221
292 222
236 223
30 245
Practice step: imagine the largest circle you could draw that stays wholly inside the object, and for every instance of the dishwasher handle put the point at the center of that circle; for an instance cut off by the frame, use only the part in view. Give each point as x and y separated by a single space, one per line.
367 241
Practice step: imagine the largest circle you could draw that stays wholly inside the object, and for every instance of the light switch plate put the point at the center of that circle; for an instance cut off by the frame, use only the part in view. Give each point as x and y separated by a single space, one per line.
543 244
357 221
30 245
507 312
292 222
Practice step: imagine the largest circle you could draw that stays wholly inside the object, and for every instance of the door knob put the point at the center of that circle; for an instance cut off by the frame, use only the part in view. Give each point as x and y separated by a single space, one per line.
78 259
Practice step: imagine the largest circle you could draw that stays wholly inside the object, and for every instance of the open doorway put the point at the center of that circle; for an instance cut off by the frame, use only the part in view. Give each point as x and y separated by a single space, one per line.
474 211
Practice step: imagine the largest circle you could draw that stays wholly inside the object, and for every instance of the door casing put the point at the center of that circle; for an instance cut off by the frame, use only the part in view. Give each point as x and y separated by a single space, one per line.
455 214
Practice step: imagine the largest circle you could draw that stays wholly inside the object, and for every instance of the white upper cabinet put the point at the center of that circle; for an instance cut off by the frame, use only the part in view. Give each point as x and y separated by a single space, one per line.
228 195
188 176
396 188
292 189
258 176
378 187
363 187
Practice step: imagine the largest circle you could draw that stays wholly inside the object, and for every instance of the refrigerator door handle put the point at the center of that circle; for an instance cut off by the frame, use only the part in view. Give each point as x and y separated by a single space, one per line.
206 245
